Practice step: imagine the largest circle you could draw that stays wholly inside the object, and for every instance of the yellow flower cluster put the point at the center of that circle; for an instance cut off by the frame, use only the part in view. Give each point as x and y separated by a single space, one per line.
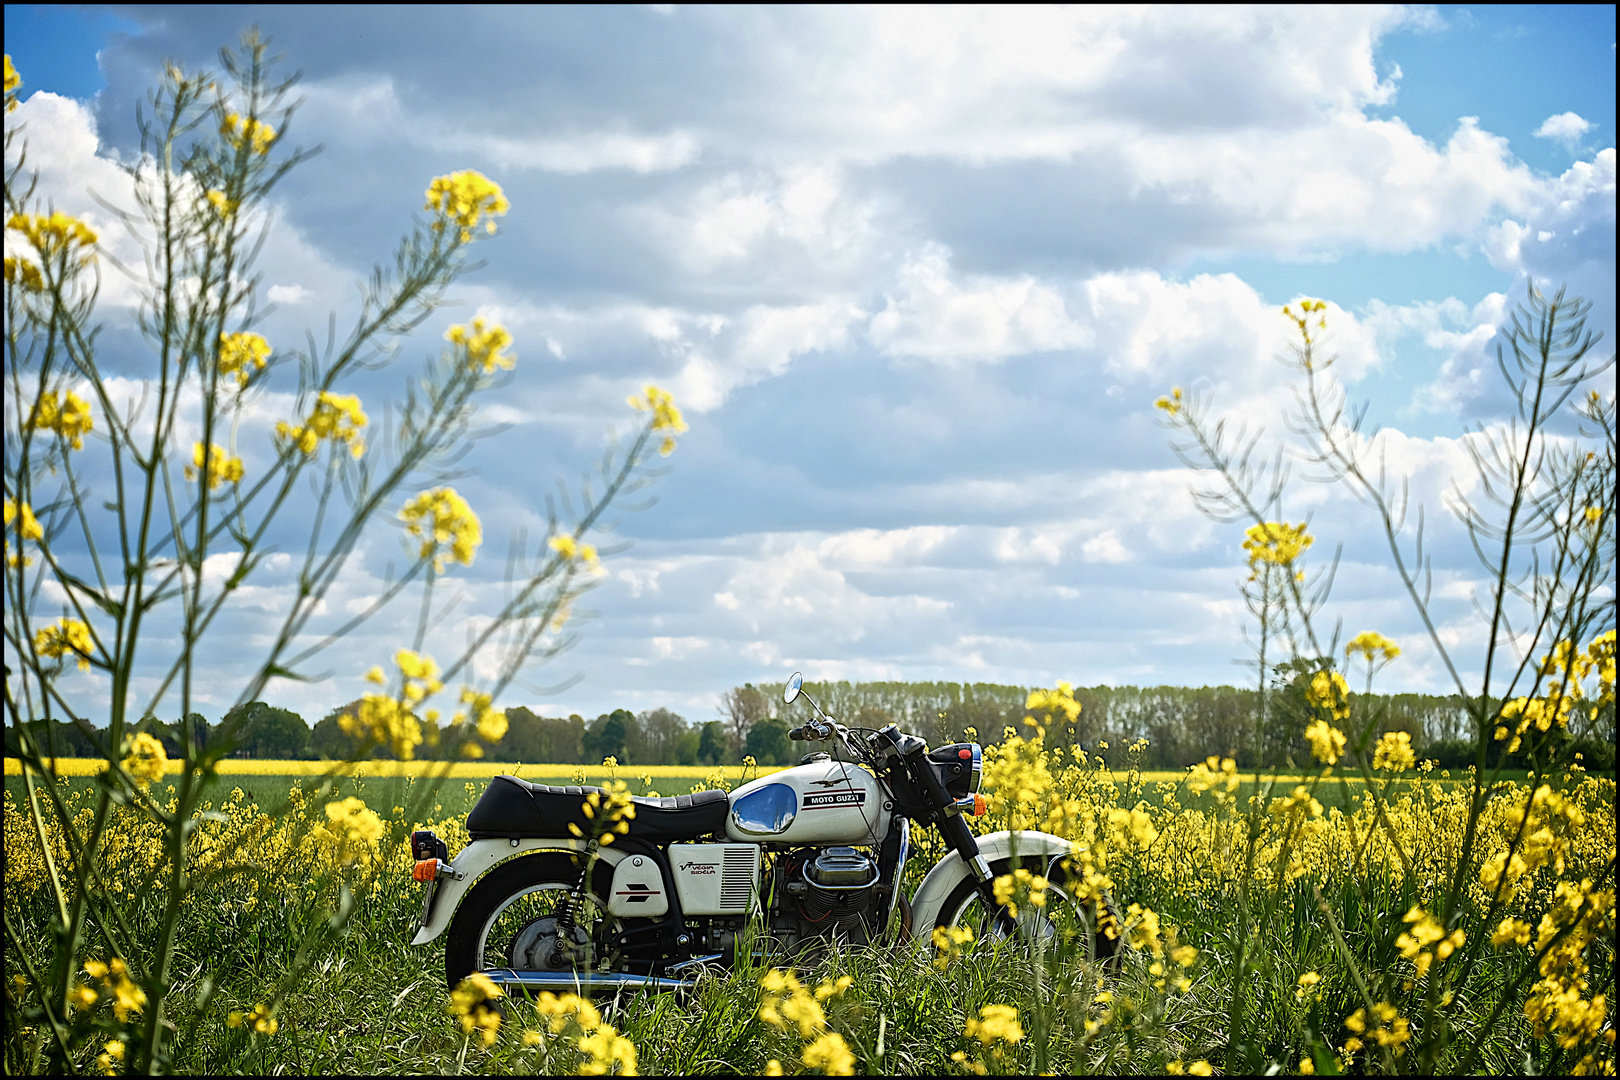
337 417
788 1004
1189 1068
609 810
24 274
1020 885
1307 308
1170 403
665 416
13 80
574 551
1327 743
221 466
351 832
471 1002
949 941
1330 693
67 636
486 348
1276 542
1562 672
604 1048
244 130
1538 830
145 760
112 1054
490 723
242 354
995 1023
1394 752
440 517
28 528
464 199
55 233
67 415
1372 645
1215 775
1390 1028
392 721
1580 915
222 204
259 1019
127 998
1427 940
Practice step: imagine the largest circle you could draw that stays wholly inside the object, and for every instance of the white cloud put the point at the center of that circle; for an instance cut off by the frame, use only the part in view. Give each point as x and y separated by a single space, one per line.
289 294
933 317
1566 128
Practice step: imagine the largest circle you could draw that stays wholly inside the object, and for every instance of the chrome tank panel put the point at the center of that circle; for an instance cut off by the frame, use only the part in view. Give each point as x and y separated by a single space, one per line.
825 802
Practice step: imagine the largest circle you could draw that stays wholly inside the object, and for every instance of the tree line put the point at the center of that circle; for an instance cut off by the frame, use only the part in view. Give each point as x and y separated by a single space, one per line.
1181 724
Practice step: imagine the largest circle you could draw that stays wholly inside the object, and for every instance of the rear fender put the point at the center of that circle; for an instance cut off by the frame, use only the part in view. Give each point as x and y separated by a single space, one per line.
479 858
951 870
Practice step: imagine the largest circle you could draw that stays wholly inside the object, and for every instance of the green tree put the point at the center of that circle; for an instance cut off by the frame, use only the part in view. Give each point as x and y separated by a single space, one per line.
713 747
608 736
767 742
264 731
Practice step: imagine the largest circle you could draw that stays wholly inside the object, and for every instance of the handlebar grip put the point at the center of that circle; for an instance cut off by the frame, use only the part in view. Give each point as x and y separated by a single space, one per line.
798 735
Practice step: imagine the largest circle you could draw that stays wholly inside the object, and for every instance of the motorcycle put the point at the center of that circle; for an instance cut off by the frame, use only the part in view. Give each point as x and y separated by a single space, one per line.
558 889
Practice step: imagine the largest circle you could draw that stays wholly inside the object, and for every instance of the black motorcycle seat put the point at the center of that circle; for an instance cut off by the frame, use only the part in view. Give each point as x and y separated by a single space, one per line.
514 808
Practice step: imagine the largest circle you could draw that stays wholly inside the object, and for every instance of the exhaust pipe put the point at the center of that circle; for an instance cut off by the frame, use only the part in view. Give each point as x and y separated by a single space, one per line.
581 982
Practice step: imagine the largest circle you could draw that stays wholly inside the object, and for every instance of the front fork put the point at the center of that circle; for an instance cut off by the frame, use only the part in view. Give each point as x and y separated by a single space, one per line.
966 845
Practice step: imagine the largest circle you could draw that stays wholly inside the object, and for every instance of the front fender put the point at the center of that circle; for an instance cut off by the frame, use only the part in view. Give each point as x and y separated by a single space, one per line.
479 858
951 871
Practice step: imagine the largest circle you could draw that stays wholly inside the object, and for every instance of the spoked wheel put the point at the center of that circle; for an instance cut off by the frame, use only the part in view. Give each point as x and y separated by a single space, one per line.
512 919
1064 921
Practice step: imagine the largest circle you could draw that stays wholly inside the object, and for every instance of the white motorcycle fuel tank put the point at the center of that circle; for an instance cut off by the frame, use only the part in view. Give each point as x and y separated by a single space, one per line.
824 802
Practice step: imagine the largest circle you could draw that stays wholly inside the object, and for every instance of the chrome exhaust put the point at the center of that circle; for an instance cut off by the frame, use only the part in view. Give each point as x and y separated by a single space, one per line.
580 982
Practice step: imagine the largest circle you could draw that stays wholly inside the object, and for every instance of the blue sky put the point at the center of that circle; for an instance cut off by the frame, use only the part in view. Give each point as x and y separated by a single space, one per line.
916 278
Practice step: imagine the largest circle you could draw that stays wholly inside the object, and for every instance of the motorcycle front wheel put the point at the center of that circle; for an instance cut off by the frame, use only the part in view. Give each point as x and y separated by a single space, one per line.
1064 919
511 918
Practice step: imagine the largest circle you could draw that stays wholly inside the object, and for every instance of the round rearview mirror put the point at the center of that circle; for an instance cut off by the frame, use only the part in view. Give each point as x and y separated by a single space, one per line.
794 685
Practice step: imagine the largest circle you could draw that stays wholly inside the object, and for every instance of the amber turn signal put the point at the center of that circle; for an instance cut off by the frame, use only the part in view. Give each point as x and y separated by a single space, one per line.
426 870
979 805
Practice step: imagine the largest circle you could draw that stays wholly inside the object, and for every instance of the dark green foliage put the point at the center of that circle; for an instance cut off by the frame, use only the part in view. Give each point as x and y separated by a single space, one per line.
768 742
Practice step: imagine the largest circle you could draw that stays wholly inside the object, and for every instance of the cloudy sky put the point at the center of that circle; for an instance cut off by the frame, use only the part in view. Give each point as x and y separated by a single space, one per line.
916 277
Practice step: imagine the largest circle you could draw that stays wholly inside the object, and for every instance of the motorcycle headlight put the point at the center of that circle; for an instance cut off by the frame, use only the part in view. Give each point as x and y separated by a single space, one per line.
978 768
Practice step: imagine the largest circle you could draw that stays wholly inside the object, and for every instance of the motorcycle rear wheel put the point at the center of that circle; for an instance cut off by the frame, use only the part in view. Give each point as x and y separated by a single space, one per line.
1064 918
502 909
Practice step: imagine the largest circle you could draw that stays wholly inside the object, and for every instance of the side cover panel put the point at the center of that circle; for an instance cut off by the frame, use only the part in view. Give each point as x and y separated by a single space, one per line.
950 870
479 858
638 888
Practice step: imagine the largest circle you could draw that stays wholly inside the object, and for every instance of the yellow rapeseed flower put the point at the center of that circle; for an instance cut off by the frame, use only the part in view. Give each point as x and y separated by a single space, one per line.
240 130
67 415
352 829
470 1003
221 466
1276 542
1373 646
1171 403
146 760
1327 743
55 233
337 417
1394 752
13 80
67 636
574 551
28 528
1330 693
995 1023
441 517
464 199
831 1054
242 354
665 416
24 274
486 348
